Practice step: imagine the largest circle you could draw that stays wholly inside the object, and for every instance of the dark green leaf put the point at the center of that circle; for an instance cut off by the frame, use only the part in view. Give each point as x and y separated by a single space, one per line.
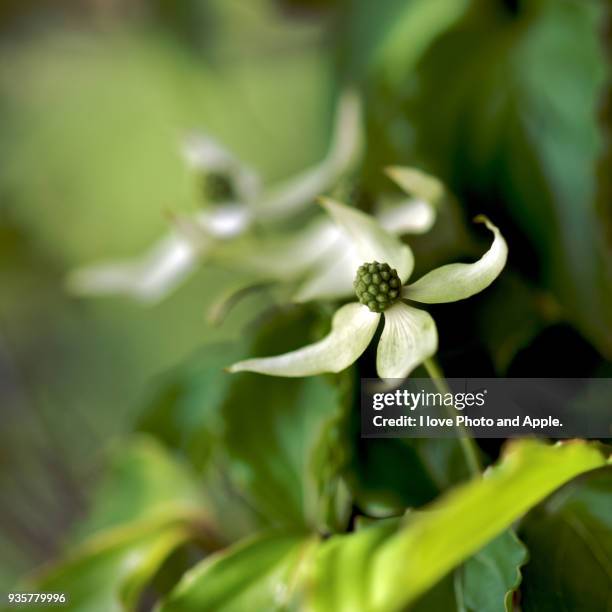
391 35
274 427
267 447
569 537
515 131
185 412
392 474
497 565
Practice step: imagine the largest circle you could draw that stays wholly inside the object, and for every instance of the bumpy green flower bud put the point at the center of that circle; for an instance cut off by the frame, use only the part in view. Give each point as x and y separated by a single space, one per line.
377 285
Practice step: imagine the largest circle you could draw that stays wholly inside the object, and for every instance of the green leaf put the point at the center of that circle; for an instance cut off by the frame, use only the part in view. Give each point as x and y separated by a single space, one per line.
431 543
185 410
111 570
270 443
341 574
255 440
274 428
329 463
519 126
391 35
496 565
270 572
389 475
142 482
569 537
259 574
146 508
186 413
513 315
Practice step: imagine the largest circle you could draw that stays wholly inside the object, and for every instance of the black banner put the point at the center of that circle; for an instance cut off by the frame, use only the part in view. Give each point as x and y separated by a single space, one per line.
487 408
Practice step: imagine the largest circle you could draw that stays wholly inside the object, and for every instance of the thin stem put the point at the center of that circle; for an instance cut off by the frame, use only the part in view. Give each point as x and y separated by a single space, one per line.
458 587
467 442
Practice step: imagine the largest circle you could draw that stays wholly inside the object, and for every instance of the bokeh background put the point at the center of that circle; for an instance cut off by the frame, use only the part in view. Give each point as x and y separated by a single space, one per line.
507 101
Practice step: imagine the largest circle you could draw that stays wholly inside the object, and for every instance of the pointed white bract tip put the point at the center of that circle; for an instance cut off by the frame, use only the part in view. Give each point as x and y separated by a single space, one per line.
417 183
202 152
486 221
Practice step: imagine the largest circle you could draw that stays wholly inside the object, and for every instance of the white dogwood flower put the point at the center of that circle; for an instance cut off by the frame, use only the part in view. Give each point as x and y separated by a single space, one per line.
409 336
333 272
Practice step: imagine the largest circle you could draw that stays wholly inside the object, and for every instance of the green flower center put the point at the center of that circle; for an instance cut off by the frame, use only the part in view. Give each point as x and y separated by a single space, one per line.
218 187
377 285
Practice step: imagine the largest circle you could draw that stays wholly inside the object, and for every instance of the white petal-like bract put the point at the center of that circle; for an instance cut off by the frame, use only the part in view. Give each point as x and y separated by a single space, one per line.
372 242
353 327
417 183
149 278
407 217
408 338
333 277
225 220
202 152
345 147
459 281
291 256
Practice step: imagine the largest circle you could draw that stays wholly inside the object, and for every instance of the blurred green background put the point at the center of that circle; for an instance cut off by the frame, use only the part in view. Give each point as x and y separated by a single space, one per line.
507 101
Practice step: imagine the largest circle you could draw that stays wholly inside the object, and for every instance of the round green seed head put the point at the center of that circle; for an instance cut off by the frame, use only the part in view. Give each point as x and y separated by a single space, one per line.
377 286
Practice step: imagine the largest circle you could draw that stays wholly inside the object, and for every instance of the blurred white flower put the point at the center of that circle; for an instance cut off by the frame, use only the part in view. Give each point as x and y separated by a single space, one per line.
409 336
240 199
